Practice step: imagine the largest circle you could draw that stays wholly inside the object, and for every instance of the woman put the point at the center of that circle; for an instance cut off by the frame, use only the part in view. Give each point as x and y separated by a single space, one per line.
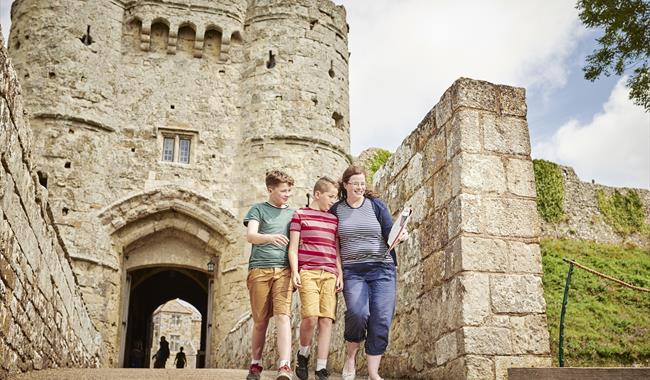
369 274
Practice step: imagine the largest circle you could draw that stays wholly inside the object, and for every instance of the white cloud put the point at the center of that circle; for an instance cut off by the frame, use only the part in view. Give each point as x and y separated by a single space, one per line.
405 54
613 148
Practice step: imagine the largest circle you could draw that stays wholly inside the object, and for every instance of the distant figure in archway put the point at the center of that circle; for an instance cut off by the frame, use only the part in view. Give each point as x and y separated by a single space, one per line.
180 359
137 355
162 354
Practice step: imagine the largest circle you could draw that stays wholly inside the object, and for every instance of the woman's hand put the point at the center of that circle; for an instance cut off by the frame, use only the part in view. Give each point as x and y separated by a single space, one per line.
339 284
295 277
403 236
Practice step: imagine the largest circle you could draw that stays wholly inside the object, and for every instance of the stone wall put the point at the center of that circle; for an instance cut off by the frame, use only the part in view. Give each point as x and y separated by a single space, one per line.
470 276
43 319
584 220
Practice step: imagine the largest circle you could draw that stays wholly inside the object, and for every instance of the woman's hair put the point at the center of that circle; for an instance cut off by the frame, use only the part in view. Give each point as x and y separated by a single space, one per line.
349 172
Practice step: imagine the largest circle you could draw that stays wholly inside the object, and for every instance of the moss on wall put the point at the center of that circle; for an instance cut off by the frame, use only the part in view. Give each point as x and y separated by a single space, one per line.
550 191
624 213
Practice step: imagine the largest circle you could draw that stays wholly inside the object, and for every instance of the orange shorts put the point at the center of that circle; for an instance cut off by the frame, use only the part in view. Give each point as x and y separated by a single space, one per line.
317 294
270 291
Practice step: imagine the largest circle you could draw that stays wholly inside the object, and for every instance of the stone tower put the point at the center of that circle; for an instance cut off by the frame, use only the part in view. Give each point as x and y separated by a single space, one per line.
154 123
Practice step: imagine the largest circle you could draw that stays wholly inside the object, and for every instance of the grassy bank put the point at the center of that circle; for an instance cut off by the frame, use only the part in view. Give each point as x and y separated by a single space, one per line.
606 324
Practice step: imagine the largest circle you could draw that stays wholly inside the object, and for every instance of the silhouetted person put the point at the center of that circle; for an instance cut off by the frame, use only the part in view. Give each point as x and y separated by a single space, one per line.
162 354
180 360
137 355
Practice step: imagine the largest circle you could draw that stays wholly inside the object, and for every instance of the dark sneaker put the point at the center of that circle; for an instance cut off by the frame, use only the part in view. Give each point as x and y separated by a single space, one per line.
301 369
254 372
284 373
322 374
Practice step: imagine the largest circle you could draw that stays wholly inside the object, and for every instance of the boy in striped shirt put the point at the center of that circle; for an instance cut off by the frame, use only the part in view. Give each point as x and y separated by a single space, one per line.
316 272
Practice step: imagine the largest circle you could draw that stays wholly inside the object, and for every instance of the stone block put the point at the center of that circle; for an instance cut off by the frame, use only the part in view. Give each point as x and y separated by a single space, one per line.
525 257
481 173
502 363
465 215
521 177
510 217
512 100
472 253
443 110
474 94
435 154
475 304
529 334
434 231
464 132
486 341
506 134
479 367
446 348
442 191
517 293
433 271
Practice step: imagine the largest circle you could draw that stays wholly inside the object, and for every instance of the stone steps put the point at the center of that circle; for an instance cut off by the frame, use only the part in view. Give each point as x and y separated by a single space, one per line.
147 374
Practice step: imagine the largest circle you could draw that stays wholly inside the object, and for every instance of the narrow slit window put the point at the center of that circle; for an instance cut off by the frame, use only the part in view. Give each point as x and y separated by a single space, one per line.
168 149
184 150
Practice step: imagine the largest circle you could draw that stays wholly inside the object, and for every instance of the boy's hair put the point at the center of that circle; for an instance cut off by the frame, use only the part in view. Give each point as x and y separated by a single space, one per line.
277 177
325 183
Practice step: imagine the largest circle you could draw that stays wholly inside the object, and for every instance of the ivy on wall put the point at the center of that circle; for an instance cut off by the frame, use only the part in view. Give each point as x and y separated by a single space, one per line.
550 190
379 159
624 213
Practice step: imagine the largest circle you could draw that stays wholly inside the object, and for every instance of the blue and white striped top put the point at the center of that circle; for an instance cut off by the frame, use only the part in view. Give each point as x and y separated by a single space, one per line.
360 235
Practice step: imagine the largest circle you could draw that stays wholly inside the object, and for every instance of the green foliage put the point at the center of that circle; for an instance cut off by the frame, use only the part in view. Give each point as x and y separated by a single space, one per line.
624 45
550 190
625 213
606 324
379 159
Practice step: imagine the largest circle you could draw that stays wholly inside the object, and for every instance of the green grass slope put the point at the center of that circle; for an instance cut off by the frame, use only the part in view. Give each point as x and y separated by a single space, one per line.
606 324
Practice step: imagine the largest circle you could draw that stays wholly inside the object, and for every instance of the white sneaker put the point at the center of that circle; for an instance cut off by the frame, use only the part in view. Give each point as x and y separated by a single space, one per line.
349 375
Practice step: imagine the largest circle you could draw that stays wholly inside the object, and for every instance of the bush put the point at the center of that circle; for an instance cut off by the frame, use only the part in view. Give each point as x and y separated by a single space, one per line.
377 161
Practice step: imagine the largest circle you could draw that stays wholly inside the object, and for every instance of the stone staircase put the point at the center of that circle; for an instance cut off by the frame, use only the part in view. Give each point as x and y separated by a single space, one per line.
146 374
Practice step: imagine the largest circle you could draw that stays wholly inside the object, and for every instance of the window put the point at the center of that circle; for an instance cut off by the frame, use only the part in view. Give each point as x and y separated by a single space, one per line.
174 342
177 146
168 149
184 153
176 319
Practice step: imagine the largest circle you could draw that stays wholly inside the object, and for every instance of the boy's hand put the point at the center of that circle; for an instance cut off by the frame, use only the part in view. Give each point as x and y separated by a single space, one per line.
295 276
339 284
278 240
403 236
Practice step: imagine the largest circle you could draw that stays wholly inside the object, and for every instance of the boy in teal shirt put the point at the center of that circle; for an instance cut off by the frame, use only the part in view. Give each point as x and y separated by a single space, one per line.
269 275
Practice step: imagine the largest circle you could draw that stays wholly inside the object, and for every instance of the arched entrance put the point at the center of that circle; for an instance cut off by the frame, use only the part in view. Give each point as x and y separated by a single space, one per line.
149 289
165 238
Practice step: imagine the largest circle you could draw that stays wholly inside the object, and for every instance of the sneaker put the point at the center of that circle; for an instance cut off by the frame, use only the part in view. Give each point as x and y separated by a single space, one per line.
284 373
254 372
322 374
301 369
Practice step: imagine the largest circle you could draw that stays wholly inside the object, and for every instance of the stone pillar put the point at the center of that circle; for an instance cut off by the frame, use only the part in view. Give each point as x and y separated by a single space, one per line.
470 276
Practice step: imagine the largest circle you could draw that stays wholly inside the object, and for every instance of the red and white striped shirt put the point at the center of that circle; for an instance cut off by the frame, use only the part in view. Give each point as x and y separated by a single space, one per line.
317 248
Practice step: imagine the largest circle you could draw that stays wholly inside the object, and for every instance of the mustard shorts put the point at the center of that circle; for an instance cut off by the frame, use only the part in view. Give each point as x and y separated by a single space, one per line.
317 294
270 291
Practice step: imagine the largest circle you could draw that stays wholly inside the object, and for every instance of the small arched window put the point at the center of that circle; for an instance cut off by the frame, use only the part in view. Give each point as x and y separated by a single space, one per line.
212 43
159 36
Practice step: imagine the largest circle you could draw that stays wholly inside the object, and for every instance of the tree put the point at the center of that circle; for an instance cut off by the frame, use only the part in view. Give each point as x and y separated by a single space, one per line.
624 46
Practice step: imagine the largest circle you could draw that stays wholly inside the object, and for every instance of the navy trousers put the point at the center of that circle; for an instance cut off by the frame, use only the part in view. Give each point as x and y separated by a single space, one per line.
370 296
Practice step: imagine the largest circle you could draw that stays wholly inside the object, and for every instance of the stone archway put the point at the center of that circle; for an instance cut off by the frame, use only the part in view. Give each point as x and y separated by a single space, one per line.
167 231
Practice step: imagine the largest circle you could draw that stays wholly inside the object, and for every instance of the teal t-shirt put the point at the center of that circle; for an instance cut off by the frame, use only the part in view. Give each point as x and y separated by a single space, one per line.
273 220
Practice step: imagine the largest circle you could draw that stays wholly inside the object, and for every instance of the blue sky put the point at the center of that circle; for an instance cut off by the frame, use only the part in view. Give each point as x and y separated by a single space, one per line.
406 53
